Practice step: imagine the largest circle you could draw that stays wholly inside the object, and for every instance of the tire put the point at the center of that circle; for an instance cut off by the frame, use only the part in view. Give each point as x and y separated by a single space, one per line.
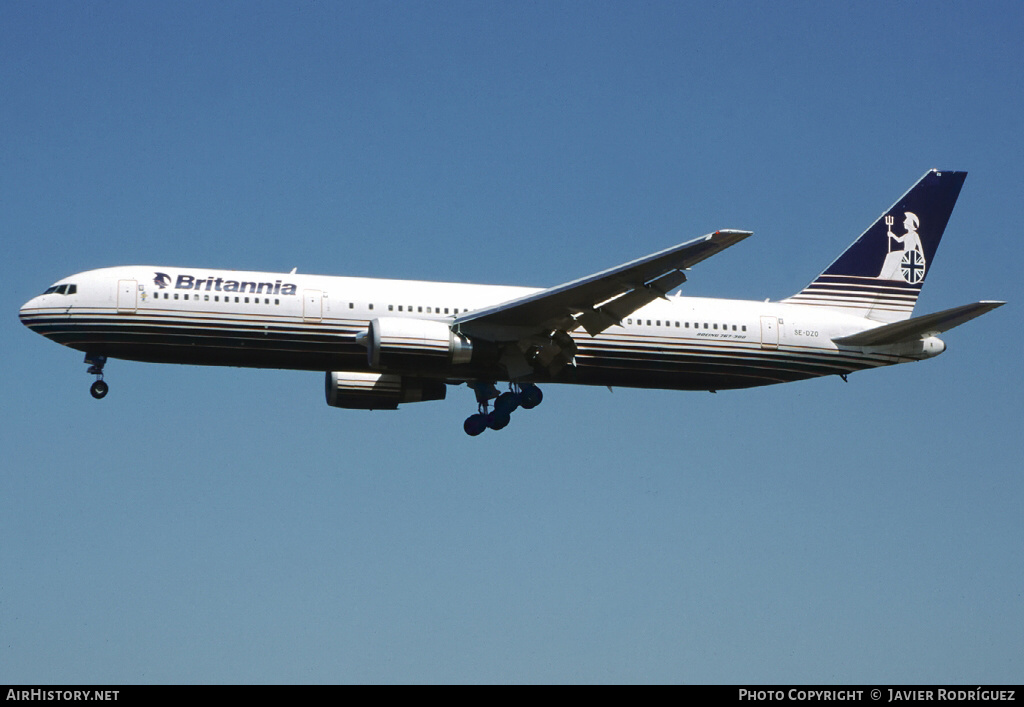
531 397
474 425
506 403
498 420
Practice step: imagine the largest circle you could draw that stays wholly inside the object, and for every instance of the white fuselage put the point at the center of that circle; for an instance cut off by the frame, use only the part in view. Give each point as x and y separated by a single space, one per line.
274 320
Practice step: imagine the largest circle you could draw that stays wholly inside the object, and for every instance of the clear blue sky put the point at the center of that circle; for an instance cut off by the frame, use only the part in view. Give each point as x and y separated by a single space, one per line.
226 525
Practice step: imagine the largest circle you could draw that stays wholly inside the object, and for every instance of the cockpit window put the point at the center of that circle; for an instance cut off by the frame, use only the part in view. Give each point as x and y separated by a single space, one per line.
61 290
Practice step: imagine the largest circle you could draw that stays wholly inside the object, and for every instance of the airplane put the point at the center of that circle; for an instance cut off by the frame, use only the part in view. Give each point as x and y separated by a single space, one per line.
384 343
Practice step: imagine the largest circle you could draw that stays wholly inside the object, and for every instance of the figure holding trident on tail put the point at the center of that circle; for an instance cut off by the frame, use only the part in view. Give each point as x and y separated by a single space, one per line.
907 264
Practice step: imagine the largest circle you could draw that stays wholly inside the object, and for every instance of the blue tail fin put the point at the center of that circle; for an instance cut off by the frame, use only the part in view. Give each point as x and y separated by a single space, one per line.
880 276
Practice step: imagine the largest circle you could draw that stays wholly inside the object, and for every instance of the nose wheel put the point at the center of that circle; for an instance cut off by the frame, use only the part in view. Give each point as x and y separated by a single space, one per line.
526 396
99 388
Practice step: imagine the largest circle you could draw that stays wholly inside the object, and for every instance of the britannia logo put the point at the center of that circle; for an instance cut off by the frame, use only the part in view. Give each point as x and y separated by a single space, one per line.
906 263
219 284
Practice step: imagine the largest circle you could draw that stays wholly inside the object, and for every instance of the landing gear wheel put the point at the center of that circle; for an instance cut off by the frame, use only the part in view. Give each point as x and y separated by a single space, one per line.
498 420
506 403
475 424
96 362
531 397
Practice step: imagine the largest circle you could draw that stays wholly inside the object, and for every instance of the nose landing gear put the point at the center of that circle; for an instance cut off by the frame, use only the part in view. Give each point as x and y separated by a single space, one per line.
99 388
526 396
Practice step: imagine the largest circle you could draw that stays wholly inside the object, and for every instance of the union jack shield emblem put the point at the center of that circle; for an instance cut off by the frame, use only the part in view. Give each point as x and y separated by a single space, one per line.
912 267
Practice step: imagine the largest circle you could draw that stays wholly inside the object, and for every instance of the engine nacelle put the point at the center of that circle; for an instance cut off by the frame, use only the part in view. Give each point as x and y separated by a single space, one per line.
414 344
379 391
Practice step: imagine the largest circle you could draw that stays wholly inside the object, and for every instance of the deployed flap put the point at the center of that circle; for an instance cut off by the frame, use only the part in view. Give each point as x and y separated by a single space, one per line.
919 327
597 301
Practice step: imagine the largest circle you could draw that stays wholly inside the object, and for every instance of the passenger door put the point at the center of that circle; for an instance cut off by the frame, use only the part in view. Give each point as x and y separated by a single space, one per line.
769 332
127 296
312 305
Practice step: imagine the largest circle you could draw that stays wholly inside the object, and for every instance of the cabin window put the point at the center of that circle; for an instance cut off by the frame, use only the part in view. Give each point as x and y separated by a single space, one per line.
744 328
391 308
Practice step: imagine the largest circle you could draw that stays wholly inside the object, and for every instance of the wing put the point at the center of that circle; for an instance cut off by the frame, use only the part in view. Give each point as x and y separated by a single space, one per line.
597 301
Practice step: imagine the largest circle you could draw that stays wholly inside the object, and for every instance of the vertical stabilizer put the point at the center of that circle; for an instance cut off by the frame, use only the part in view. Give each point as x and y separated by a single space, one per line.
880 276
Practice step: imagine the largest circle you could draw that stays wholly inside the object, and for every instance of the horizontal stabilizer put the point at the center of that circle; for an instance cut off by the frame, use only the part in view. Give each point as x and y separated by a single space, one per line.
919 327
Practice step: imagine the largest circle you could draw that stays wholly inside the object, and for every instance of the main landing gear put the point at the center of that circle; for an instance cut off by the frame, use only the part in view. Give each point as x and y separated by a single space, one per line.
526 396
99 387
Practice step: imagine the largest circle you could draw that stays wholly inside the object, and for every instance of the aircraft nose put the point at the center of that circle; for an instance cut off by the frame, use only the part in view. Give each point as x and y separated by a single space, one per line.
27 312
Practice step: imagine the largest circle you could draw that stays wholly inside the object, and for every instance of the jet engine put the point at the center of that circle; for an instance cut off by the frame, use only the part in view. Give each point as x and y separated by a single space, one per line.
379 391
414 344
